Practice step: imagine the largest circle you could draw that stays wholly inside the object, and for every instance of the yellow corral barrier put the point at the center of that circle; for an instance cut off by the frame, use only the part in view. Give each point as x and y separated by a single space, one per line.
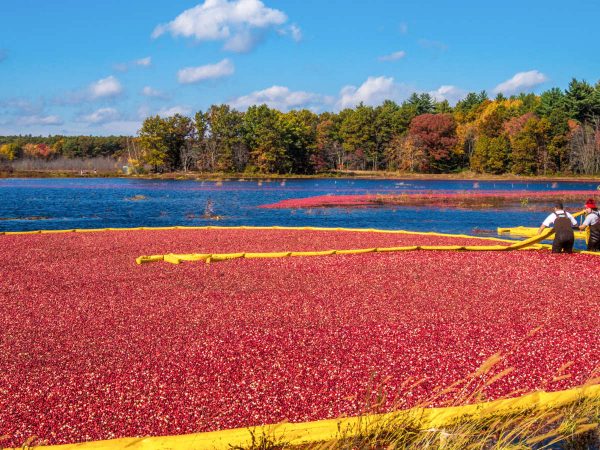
328 430
533 243
529 244
244 227
530 231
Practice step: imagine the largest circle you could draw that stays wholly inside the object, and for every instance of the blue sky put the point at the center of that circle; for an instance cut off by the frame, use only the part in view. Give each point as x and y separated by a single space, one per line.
100 67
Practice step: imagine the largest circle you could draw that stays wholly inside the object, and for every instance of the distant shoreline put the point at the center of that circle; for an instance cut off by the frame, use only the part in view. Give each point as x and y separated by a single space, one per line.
355 174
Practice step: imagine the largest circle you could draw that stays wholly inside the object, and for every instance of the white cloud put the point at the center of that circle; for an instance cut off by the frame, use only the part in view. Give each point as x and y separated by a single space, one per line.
393 56
281 98
177 109
296 32
242 42
234 22
520 82
374 91
145 111
448 92
102 115
22 112
207 72
39 120
143 62
149 91
293 30
106 87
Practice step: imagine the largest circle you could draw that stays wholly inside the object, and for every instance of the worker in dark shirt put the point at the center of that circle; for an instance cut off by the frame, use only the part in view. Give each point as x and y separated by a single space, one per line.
563 224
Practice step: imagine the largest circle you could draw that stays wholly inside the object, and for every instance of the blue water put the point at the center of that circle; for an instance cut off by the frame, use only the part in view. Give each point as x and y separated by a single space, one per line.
32 204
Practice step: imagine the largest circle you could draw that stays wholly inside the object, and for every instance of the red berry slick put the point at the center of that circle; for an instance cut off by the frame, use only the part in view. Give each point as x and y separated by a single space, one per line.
93 346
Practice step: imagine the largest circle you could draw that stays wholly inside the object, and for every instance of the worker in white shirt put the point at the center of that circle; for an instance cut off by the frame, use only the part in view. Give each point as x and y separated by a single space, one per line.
563 224
592 220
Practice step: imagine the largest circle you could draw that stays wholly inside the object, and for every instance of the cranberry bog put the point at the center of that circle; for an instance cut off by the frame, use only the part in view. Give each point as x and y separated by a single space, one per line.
473 200
93 346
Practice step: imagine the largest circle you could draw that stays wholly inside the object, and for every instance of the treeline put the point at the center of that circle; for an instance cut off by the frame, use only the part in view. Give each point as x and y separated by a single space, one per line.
555 132
47 148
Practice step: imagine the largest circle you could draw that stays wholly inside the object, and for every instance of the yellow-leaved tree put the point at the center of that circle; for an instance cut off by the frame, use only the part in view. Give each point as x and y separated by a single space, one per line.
8 151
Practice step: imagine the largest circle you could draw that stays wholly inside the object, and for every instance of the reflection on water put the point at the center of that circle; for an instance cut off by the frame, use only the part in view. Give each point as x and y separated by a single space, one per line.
30 204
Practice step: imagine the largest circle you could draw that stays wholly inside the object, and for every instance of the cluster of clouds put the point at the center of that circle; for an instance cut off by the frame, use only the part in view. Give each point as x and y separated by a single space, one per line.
282 98
35 119
27 113
373 91
239 25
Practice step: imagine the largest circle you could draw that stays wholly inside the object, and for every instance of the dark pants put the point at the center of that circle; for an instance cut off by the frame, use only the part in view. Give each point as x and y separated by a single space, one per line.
593 245
563 245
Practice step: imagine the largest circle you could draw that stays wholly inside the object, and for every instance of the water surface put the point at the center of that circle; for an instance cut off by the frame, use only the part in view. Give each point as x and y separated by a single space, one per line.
32 204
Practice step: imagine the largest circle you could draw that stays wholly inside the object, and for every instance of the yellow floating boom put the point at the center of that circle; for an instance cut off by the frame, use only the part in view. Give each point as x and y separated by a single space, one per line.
311 433
533 242
531 231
